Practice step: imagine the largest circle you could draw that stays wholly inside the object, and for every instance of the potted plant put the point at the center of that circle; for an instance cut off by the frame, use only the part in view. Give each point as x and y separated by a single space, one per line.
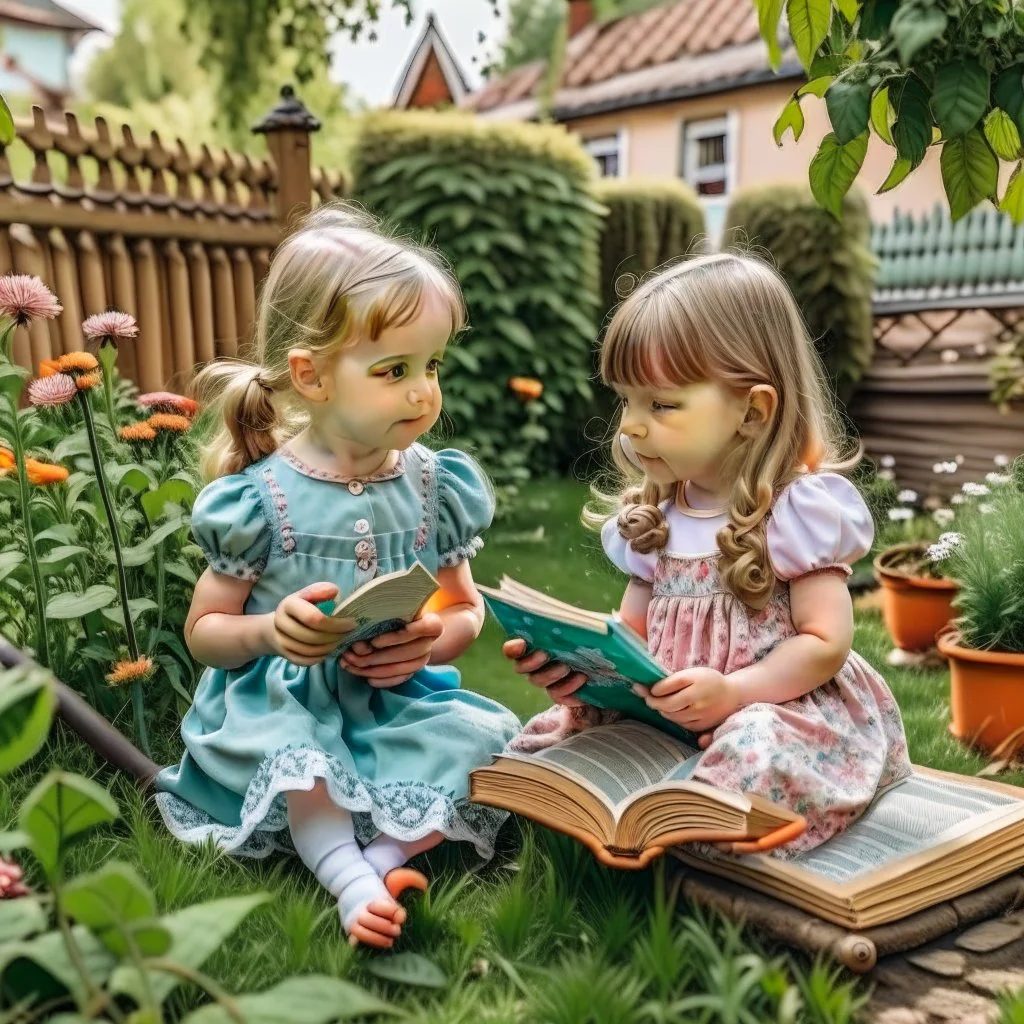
985 644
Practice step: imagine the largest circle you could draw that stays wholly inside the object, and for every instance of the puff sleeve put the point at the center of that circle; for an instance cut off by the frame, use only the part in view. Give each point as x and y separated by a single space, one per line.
229 526
622 555
819 522
465 509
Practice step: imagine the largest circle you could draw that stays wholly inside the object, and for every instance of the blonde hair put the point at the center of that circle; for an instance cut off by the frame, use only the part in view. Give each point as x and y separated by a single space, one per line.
732 320
335 280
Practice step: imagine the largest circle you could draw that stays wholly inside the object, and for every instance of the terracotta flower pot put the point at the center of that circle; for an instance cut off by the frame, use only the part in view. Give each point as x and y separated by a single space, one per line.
986 692
915 608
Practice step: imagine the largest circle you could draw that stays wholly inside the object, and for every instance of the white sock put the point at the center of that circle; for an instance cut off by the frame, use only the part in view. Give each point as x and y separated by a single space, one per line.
324 839
386 853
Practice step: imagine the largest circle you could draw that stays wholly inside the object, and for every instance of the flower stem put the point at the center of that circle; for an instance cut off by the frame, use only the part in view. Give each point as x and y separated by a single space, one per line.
42 639
106 362
138 707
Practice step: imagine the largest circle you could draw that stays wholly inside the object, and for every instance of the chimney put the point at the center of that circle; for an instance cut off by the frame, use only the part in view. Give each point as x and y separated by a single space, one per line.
581 14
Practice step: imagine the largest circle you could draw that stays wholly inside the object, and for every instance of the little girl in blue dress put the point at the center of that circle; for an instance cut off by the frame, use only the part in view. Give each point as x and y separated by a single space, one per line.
359 761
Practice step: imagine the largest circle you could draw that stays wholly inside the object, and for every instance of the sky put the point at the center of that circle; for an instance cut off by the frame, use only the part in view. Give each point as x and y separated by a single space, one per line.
371 70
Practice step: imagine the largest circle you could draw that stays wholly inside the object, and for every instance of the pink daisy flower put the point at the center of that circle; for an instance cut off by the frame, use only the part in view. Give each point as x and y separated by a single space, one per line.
57 389
113 324
167 401
24 298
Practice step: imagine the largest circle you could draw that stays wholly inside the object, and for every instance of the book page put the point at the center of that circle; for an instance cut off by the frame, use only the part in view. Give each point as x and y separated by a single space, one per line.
619 759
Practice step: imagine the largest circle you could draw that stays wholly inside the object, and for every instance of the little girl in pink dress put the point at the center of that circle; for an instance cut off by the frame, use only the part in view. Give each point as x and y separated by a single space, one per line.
737 551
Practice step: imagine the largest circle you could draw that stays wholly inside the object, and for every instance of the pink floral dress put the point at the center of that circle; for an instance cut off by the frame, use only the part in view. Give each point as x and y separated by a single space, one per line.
824 755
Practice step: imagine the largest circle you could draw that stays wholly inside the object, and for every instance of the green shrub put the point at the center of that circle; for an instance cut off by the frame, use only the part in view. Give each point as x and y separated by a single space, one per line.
648 224
827 263
510 206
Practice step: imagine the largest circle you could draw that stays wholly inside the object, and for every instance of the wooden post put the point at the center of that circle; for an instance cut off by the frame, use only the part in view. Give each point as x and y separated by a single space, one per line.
288 128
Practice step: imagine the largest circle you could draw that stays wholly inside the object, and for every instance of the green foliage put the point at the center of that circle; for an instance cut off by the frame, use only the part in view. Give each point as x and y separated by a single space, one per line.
917 74
648 223
826 262
509 205
530 28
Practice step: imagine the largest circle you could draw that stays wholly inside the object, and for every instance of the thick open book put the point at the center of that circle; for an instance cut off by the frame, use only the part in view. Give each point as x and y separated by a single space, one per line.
623 790
603 647
925 840
384 604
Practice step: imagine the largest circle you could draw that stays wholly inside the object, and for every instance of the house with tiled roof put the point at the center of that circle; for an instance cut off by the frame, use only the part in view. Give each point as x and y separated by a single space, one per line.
684 89
432 76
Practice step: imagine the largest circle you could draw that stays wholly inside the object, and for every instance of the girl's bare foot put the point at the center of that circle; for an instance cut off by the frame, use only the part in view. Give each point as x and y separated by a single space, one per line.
377 924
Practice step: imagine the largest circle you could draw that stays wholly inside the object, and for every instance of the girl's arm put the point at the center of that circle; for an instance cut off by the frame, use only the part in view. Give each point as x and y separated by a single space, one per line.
461 609
823 616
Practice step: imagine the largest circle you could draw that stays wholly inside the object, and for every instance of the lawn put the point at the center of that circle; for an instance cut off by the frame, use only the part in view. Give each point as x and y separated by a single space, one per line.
542 934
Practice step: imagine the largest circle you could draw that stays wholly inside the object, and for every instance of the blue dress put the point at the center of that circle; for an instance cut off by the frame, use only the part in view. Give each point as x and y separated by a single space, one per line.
397 758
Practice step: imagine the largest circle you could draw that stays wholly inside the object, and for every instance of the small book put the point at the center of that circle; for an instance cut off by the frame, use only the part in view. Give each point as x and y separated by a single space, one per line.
624 791
925 840
604 648
386 603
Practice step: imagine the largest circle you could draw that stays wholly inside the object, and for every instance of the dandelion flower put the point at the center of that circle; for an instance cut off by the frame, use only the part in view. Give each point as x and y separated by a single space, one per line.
130 671
887 462
24 298
137 432
951 537
887 475
169 421
907 496
957 499
113 324
48 367
88 381
973 490
43 473
167 401
943 516
986 507
1002 461
82 362
56 390
898 514
937 552
998 478
526 388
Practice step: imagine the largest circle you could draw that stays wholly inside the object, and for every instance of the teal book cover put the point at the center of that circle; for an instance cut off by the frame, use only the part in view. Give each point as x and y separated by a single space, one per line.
612 661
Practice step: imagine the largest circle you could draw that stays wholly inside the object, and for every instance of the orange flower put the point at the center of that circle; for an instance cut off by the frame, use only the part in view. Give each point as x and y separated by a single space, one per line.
82 361
137 432
88 381
526 388
130 671
43 473
169 421
6 458
48 367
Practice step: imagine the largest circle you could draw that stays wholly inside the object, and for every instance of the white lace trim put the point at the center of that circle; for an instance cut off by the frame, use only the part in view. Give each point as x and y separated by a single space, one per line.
460 553
239 568
404 811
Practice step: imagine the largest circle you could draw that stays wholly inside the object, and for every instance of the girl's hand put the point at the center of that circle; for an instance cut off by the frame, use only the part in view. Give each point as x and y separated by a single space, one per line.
558 679
696 698
391 658
301 632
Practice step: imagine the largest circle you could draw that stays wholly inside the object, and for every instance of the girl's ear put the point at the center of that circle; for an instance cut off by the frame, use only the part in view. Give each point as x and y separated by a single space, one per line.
627 450
305 375
762 401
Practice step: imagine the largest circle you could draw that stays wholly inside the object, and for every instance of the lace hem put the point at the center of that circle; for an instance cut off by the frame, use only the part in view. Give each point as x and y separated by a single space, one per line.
460 553
404 811
239 568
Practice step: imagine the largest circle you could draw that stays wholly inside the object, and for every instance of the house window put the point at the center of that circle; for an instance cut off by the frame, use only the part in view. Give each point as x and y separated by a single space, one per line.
609 152
708 165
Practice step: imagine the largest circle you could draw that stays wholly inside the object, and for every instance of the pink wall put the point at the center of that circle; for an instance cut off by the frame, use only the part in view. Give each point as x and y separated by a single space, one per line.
653 136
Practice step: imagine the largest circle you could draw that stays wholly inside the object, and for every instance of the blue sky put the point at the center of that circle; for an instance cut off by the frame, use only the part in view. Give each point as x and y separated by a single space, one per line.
371 70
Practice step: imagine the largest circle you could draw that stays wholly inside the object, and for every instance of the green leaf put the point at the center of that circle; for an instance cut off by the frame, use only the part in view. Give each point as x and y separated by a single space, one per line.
313 999
143 552
133 479
74 606
849 9
914 27
57 559
1013 198
970 172
880 115
27 704
173 492
136 606
791 117
912 129
9 561
834 169
959 97
76 444
809 22
49 952
516 332
408 969
6 123
63 533
14 840
117 906
12 376
769 13
1008 94
1002 134
900 169
816 86
849 108
876 17
197 932
59 810
21 918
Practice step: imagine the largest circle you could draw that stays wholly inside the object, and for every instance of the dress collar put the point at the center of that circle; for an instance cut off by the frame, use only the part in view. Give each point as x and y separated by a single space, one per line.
303 467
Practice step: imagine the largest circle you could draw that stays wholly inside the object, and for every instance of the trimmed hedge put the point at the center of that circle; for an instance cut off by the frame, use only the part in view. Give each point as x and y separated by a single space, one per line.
648 224
511 207
828 264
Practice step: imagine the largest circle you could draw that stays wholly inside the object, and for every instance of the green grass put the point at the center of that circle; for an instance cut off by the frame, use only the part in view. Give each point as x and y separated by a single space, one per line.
543 933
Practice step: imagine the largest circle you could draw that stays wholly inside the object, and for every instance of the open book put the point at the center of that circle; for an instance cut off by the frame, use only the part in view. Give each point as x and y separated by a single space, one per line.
925 840
623 790
384 604
611 654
